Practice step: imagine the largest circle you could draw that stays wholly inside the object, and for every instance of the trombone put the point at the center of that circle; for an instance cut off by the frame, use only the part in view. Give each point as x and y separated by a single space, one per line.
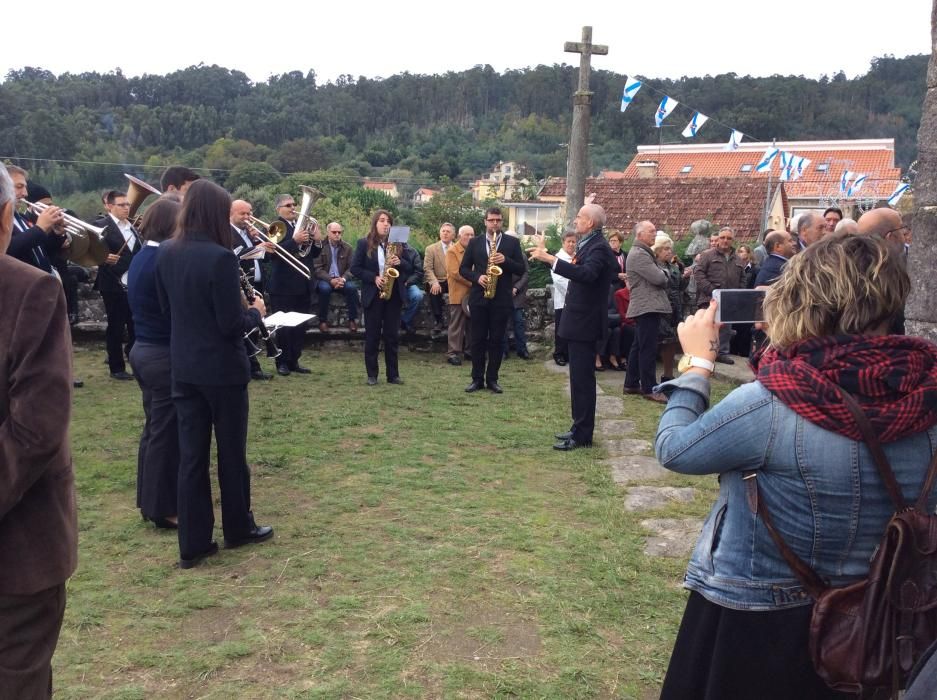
274 234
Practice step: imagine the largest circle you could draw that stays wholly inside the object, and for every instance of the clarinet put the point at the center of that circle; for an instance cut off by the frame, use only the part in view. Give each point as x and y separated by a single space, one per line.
265 335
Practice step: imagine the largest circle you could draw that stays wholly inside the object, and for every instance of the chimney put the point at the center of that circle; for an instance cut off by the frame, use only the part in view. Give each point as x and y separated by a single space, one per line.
647 169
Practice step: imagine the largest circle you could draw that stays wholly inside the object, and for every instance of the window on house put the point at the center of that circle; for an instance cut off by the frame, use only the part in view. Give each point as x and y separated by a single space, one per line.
823 167
747 168
686 168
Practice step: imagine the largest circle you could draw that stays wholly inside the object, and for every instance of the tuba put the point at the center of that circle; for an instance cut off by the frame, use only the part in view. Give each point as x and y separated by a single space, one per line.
493 271
303 220
389 273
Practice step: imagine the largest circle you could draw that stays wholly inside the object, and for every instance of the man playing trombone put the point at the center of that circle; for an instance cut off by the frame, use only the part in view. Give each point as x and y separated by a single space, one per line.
289 289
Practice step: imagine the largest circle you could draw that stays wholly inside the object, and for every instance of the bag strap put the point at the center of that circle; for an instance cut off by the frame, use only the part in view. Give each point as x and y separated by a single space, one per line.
809 578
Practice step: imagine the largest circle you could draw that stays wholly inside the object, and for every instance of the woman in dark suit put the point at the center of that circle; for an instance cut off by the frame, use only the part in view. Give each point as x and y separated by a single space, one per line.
158 454
381 318
198 281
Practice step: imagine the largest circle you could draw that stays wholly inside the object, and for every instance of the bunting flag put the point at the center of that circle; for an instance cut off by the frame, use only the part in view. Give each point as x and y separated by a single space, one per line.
631 89
800 166
766 160
695 123
667 105
856 185
734 140
787 165
896 195
844 182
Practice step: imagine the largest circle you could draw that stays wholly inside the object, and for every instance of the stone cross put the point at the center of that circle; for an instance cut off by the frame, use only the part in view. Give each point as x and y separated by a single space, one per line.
577 164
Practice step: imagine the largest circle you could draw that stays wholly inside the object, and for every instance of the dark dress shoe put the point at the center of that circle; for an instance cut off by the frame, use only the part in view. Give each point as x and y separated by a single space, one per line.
455 361
261 376
258 533
474 386
395 380
568 435
283 370
561 361
725 359
632 390
524 355
372 381
466 355
495 387
656 396
299 369
567 445
122 375
164 524
77 383
188 563
600 368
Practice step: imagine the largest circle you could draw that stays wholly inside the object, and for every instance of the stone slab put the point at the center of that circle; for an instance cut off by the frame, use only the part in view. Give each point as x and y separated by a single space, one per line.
673 538
608 406
553 367
629 468
613 428
628 446
650 497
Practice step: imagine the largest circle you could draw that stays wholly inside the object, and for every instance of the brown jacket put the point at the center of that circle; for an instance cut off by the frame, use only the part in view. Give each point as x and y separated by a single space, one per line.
323 263
459 287
38 521
434 263
714 271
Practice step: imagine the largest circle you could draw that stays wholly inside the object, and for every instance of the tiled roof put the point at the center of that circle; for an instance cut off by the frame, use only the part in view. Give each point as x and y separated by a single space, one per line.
373 185
675 203
875 158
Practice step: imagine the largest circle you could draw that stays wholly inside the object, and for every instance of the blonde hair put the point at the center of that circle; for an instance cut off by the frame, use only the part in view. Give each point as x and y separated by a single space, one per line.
840 285
662 241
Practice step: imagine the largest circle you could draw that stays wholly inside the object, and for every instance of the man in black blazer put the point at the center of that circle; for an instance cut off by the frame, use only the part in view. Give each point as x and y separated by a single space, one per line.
289 290
34 244
584 316
780 248
490 316
123 243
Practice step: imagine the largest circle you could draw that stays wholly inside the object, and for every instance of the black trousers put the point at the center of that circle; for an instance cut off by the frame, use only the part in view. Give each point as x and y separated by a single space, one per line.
158 454
582 389
560 346
29 631
199 409
290 340
489 324
382 321
642 359
435 301
118 318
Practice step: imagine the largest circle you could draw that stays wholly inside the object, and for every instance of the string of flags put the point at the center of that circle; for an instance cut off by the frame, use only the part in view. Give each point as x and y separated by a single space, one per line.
792 166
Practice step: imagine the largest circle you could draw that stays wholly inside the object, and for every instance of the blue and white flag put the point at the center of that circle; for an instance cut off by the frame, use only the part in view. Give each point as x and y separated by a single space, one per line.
896 195
695 123
766 160
734 140
787 165
667 105
844 182
856 186
631 89
800 165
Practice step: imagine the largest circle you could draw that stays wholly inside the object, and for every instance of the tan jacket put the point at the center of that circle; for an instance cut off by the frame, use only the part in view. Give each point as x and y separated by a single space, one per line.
459 287
434 263
38 521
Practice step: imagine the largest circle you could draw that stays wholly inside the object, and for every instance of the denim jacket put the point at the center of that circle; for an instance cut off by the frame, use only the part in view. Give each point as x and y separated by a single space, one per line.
822 490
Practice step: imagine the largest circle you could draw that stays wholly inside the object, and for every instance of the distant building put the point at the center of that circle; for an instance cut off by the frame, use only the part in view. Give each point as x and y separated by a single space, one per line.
502 182
528 218
675 203
423 196
388 188
817 188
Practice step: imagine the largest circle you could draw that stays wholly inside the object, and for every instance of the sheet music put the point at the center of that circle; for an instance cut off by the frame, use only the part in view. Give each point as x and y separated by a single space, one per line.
253 254
287 318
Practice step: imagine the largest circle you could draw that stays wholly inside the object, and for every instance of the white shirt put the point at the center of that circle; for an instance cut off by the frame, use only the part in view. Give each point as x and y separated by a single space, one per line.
130 237
560 283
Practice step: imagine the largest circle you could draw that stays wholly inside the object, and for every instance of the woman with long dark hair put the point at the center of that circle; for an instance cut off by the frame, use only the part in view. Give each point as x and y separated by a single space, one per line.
158 453
370 263
198 281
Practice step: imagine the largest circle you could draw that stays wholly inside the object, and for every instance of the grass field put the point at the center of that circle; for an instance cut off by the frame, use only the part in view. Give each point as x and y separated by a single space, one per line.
429 543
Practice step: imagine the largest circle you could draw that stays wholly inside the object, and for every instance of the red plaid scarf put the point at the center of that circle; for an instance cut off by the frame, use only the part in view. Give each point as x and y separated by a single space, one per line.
893 377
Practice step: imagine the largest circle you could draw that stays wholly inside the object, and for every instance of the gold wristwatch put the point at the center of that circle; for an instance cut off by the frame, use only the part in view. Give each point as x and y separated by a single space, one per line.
688 361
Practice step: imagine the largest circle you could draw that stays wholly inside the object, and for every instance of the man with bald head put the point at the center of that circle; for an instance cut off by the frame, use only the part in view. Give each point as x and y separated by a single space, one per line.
333 274
887 224
585 316
780 248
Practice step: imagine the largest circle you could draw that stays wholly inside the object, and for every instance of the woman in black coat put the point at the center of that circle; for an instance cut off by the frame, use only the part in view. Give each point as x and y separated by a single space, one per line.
381 317
198 281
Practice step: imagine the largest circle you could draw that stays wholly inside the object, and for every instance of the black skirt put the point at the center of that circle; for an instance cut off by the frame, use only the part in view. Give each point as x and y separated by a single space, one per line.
725 654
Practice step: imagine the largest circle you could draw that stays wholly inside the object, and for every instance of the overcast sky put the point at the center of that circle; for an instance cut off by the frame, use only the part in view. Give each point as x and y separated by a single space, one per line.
653 39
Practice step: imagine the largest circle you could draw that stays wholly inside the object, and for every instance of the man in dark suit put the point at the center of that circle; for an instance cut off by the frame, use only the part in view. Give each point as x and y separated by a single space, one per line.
333 274
243 242
585 315
38 522
289 290
123 243
779 245
489 317
34 243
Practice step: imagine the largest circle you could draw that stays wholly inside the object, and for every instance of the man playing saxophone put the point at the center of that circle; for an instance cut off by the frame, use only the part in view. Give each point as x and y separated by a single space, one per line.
491 299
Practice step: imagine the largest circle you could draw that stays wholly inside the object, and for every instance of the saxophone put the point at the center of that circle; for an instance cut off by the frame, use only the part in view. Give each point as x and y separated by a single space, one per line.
389 273
493 272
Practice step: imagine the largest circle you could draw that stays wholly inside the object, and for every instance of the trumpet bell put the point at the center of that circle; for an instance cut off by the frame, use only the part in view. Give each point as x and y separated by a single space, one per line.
86 249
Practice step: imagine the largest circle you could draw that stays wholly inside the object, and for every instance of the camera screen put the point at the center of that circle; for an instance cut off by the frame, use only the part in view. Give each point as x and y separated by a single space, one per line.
740 305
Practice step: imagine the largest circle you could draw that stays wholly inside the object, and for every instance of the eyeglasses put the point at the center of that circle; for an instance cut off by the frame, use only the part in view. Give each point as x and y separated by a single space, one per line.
494 221
288 206
900 228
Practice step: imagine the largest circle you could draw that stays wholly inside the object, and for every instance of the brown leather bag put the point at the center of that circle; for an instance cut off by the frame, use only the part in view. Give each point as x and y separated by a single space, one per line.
867 636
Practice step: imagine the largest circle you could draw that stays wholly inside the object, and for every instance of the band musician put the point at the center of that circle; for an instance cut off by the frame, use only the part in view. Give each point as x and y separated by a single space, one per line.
289 290
489 317
34 243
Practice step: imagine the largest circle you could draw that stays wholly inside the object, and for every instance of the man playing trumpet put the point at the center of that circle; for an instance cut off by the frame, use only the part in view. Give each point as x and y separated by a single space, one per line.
35 244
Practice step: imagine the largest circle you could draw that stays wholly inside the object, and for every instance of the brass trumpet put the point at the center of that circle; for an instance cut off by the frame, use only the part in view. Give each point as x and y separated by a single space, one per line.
86 246
274 234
